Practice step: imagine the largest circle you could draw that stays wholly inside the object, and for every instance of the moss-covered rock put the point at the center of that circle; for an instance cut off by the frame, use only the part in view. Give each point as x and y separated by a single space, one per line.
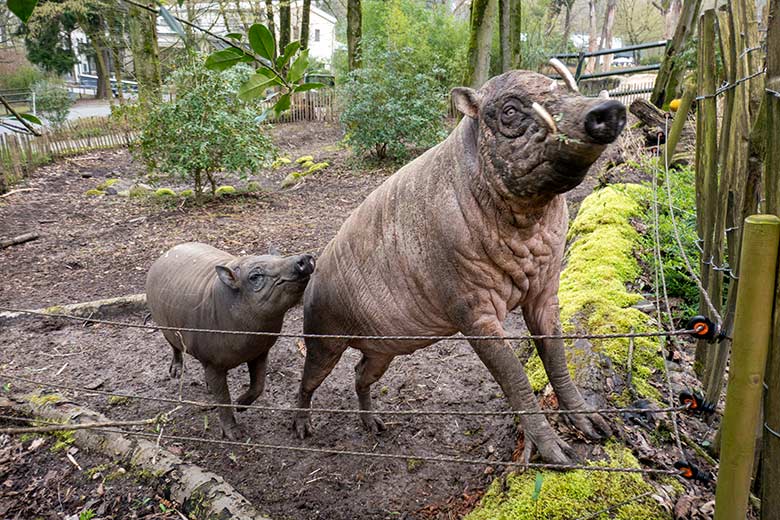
186 193
279 162
225 190
94 193
292 179
103 186
574 494
164 192
315 167
305 158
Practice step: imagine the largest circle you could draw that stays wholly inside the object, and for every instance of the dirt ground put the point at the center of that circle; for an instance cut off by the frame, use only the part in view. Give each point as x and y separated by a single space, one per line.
97 247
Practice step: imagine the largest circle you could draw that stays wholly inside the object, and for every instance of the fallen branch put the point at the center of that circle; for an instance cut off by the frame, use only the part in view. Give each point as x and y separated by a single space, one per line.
20 190
21 239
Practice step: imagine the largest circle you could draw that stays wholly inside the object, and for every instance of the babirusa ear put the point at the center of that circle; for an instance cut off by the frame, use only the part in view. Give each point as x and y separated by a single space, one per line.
466 101
227 276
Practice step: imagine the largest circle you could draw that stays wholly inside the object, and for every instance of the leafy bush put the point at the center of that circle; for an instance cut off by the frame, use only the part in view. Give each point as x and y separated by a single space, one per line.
22 78
53 101
206 129
389 107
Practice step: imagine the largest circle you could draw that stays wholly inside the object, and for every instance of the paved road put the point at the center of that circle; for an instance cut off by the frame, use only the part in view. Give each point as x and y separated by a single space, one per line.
83 108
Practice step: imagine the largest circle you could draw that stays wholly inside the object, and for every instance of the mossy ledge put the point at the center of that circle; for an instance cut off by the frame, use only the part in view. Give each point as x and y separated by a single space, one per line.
593 297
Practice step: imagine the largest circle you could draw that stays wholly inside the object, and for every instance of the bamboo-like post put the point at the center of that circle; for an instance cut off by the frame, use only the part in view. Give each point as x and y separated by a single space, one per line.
752 332
770 449
680 118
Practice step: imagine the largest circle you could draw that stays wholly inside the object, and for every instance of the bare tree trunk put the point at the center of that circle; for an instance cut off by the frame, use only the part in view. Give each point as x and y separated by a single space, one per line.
515 31
503 34
305 17
671 17
567 24
146 54
284 24
269 16
593 39
483 14
670 74
354 33
606 33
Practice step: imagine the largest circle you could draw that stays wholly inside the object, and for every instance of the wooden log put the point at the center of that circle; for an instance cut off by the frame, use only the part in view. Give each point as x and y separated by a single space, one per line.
680 120
752 331
21 239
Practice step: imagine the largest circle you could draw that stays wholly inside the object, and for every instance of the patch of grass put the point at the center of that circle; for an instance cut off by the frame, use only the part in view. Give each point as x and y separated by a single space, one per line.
573 494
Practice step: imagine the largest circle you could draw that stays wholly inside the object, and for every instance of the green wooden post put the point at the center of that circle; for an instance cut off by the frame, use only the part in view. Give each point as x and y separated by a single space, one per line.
752 332
680 118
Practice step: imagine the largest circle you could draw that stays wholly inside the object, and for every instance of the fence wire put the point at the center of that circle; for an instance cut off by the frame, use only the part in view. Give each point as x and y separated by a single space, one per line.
204 404
158 436
452 337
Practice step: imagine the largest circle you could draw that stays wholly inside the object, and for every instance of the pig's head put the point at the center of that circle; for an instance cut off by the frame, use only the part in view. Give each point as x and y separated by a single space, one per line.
536 138
267 284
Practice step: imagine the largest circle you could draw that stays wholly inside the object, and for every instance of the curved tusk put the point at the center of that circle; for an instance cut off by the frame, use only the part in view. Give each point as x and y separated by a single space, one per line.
546 117
565 73
604 94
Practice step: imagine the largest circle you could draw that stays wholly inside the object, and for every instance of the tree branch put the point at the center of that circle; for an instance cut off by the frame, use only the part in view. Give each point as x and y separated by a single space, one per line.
19 118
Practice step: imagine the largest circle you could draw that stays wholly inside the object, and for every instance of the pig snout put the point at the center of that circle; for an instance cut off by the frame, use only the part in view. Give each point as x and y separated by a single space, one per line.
304 266
605 121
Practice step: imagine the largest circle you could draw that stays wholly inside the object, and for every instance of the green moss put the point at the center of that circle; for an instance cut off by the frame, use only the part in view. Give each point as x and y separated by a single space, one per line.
164 192
101 468
65 439
138 191
117 400
593 295
225 190
281 161
307 164
316 167
186 193
44 399
103 186
413 465
253 187
93 193
305 158
292 179
54 309
573 494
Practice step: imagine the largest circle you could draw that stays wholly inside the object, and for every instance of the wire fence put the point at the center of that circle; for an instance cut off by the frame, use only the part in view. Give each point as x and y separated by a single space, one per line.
347 337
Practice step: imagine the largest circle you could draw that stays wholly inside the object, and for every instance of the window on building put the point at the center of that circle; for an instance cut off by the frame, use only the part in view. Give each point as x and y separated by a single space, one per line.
316 35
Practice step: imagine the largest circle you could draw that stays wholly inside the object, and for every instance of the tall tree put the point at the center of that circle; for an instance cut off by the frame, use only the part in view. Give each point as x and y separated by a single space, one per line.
567 6
354 33
593 39
670 75
509 26
284 23
305 17
483 15
146 54
269 16
606 32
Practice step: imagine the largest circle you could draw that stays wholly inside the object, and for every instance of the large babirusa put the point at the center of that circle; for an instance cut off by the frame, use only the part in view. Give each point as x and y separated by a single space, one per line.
197 286
458 238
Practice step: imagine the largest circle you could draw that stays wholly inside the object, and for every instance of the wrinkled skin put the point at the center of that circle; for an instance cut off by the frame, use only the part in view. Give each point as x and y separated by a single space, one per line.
458 238
197 286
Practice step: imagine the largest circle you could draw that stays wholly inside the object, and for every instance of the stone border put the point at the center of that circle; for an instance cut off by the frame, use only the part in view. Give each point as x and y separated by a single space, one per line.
110 307
198 491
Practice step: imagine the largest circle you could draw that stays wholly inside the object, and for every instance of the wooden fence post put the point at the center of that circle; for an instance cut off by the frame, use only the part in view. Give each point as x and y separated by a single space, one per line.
752 332
770 449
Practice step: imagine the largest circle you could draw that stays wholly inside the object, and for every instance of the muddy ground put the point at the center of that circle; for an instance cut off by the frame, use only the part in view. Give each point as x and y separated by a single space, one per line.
96 247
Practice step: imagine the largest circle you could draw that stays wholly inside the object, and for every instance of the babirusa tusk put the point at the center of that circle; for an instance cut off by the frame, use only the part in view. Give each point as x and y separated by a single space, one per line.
546 117
565 73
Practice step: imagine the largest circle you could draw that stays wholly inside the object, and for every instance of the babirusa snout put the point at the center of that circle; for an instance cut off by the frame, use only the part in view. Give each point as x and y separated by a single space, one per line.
605 121
304 265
